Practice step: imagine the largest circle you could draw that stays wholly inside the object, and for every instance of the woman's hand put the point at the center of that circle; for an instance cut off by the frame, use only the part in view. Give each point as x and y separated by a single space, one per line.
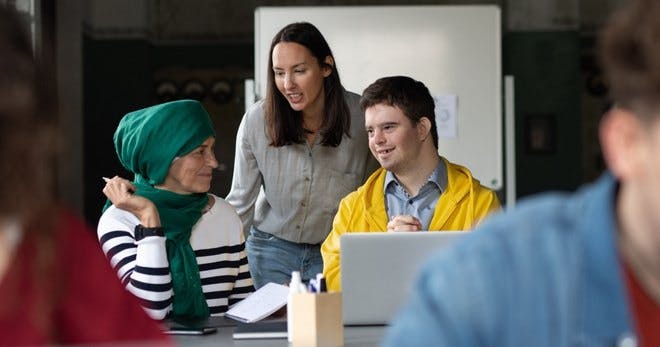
404 223
120 192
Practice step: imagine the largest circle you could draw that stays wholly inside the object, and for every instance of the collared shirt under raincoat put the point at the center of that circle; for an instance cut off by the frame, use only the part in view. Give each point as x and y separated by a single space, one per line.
464 203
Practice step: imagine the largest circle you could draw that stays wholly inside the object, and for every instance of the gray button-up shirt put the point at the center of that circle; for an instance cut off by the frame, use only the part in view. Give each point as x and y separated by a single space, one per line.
421 206
293 191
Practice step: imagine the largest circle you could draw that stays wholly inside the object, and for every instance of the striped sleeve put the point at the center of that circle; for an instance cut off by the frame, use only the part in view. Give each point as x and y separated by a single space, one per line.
225 276
243 285
142 266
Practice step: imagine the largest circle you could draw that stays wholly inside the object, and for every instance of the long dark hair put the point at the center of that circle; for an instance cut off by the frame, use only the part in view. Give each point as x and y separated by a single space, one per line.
284 126
28 150
27 125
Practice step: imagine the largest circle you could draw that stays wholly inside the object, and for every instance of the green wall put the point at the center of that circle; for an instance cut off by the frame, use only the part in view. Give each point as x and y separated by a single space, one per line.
546 69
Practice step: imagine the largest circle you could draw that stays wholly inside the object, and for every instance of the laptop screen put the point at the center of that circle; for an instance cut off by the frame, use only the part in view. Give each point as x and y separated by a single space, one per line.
378 270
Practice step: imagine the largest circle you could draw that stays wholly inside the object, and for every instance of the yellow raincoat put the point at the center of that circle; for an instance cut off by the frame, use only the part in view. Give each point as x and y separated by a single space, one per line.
463 203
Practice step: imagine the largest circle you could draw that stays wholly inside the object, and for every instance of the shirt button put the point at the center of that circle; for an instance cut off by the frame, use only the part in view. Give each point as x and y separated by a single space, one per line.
302 204
306 178
297 226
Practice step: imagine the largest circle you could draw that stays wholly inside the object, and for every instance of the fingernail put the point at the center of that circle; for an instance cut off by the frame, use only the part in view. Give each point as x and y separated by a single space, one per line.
105 179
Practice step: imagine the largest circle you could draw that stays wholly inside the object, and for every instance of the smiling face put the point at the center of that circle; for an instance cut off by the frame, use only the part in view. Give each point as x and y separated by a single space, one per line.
299 76
192 172
393 139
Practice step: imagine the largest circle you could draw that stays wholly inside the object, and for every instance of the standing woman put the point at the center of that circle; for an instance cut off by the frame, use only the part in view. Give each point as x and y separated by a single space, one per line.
178 248
298 152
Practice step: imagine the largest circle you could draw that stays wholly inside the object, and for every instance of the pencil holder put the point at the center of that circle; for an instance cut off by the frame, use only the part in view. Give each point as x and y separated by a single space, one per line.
317 320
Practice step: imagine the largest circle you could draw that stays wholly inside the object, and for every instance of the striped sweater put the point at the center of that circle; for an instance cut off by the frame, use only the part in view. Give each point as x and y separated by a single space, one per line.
142 266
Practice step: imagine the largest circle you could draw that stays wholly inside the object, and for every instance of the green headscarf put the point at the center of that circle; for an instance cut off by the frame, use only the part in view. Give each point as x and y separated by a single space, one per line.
147 141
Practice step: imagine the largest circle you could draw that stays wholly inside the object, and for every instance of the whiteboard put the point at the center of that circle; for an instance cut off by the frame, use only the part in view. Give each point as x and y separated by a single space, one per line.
453 50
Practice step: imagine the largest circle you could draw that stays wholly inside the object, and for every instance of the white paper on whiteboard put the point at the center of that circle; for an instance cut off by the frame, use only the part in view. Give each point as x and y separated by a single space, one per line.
445 115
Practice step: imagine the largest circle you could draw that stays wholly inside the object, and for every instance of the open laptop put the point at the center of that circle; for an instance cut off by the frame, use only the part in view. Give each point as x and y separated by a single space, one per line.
378 270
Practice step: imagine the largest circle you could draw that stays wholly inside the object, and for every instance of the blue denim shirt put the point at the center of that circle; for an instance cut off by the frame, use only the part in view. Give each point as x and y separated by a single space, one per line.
546 274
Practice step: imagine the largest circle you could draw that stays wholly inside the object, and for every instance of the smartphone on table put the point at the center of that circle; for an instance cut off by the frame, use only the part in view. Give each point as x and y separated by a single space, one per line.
190 330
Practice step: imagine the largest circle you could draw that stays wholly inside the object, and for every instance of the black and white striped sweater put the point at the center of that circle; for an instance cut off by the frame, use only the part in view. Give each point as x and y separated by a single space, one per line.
219 245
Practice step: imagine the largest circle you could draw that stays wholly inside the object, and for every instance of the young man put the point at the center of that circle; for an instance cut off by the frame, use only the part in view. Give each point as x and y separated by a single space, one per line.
566 270
415 189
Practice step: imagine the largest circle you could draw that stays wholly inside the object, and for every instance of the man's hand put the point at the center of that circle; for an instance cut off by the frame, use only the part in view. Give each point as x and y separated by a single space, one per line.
404 223
120 192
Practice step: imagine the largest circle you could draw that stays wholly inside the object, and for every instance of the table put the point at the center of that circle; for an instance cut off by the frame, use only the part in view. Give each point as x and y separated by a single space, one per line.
354 336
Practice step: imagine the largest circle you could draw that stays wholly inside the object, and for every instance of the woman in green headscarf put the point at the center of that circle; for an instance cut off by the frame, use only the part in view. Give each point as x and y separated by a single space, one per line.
178 248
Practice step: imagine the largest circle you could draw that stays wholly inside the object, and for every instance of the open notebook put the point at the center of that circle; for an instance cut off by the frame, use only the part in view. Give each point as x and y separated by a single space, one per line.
378 270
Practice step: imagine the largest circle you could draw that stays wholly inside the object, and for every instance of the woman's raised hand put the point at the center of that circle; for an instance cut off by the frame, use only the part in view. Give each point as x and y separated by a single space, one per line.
120 191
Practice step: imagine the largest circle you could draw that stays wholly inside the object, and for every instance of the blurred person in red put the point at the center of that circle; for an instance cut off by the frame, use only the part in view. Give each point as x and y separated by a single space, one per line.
55 284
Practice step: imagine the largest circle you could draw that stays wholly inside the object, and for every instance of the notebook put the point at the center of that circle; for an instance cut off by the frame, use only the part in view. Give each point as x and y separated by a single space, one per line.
378 270
260 304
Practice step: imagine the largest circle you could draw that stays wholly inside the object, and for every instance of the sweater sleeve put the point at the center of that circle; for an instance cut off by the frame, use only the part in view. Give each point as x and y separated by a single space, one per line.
142 266
243 283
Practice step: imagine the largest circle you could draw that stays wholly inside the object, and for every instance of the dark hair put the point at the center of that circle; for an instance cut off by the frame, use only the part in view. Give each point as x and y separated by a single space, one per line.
28 149
283 124
411 96
630 54
27 126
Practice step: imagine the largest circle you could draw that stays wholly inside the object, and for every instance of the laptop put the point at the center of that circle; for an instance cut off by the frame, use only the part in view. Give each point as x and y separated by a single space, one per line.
378 270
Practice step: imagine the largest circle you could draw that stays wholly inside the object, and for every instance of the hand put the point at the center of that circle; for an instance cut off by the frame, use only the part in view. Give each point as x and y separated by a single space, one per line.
404 223
120 192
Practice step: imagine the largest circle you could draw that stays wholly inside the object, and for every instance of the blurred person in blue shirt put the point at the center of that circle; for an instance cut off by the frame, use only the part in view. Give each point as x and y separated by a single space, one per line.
565 269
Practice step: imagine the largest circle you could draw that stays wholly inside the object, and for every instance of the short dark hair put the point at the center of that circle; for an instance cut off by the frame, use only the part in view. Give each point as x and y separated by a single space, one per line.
283 124
630 54
411 96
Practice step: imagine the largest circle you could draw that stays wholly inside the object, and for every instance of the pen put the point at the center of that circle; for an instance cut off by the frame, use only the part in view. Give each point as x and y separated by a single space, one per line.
313 286
320 283
106 180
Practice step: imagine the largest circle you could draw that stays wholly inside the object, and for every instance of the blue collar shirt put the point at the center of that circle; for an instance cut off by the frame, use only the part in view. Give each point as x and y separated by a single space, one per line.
421 206
545 274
